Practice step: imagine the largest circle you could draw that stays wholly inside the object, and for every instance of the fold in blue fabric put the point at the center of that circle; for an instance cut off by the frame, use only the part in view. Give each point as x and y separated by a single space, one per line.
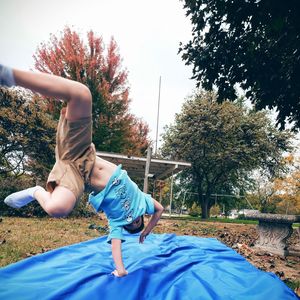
166 267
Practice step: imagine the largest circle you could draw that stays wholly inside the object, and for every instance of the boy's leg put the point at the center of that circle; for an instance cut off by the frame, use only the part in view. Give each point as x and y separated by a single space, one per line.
77 95
79 105
59 203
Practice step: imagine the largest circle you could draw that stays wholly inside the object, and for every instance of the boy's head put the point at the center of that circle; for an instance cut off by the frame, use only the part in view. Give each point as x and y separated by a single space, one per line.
136 226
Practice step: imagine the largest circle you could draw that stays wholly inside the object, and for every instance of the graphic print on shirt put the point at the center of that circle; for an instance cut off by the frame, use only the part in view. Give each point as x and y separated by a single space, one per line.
121 194
126 204
129 216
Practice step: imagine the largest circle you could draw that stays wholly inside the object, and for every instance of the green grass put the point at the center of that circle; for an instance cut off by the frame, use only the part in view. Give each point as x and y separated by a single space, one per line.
293 285
24 237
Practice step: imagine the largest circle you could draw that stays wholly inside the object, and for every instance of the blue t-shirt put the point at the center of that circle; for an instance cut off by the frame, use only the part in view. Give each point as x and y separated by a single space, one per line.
122 202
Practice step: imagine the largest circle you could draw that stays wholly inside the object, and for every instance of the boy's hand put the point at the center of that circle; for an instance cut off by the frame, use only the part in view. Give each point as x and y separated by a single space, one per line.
158 210
119 273
143 237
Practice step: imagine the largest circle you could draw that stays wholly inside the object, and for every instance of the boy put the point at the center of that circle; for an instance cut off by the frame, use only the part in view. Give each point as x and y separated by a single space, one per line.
77 166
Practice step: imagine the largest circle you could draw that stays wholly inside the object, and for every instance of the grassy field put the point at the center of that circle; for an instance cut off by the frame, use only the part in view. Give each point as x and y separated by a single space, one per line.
24 237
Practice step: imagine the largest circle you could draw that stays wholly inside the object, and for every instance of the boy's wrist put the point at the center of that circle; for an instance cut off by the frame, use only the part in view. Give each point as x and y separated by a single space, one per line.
146 231
120 272
120 269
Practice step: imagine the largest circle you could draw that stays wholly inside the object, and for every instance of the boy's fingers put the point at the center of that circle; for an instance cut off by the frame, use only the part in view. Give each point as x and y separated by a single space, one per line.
143 237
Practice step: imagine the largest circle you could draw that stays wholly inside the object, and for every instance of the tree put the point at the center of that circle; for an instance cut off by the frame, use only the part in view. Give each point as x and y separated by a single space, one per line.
260 196
280 194
27 142
223 142
255 44
287 189
114 128
27 135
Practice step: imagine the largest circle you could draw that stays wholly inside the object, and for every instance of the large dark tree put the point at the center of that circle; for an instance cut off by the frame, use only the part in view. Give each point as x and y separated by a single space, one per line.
254 43
223 142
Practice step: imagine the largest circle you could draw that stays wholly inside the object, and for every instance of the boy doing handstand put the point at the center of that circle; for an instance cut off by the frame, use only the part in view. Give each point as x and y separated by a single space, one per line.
77 166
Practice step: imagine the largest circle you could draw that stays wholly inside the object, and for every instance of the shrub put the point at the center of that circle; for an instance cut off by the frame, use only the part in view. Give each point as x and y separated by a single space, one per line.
195 210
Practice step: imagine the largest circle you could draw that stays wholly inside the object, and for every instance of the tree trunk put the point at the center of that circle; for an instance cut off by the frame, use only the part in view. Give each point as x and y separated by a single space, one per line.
205 203
203 200
205 208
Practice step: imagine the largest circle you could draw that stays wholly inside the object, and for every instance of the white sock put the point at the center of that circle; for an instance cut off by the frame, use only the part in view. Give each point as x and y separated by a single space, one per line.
6 76
21 198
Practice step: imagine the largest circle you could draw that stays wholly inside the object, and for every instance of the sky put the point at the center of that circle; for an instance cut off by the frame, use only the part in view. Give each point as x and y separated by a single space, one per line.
148 34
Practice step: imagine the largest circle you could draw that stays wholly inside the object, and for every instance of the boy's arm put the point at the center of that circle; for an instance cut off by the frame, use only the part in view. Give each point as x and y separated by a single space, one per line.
117 256
158 210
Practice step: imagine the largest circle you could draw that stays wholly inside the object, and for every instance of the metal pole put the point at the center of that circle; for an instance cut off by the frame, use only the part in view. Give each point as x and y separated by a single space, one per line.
171 195
183 201
149 152
160 194
287 207
157 119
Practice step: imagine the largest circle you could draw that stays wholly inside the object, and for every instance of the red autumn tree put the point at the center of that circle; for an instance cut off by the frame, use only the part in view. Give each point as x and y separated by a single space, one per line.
114 128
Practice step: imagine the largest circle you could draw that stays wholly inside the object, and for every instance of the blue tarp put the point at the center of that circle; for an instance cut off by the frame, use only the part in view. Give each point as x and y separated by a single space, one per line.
166 267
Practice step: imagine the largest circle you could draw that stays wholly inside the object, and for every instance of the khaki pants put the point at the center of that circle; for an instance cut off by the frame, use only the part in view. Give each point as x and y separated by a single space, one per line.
75 155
